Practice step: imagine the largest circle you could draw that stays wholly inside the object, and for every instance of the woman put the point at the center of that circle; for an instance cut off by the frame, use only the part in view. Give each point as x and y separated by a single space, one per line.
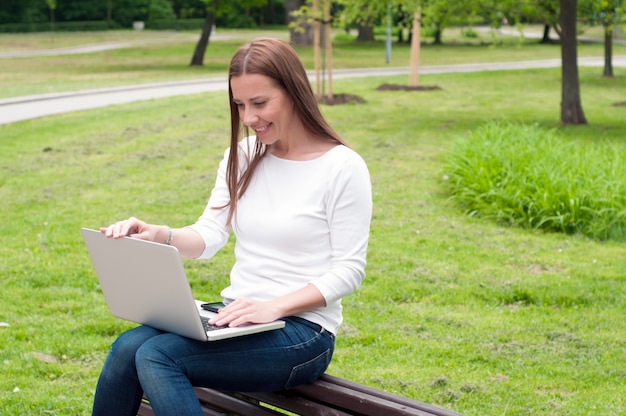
299 203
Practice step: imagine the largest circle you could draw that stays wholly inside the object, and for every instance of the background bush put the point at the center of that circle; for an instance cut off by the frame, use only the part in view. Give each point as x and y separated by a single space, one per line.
530 177
34 15
81 26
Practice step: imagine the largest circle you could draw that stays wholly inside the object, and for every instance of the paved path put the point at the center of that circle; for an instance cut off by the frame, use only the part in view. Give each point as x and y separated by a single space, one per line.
34 106
106 46
70 50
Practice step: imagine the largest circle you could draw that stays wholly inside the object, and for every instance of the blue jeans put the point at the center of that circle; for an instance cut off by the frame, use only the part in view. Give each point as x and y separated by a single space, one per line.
166 366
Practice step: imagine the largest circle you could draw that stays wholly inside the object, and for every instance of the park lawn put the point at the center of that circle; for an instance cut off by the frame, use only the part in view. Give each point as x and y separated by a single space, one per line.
461 313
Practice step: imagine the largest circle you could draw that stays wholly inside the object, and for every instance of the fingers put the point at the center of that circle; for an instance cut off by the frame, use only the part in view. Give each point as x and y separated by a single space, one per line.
123 228
243 311
227 314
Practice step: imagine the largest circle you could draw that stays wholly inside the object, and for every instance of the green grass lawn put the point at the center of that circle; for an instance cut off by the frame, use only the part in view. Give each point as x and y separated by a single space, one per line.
455 311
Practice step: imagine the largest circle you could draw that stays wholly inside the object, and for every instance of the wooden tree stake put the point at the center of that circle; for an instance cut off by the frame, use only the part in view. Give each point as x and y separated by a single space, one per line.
329 48
415 49
316 47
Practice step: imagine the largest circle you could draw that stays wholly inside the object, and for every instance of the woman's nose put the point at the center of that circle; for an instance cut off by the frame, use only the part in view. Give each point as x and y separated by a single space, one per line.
249 117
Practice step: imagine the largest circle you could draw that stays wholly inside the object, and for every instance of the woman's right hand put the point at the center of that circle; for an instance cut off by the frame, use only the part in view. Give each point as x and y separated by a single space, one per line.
131 227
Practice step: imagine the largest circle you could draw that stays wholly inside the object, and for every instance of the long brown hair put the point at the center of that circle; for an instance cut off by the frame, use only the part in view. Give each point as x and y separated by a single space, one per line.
277 60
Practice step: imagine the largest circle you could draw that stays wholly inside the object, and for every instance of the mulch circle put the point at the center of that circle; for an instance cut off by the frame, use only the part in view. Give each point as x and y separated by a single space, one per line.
340 99
398 87
350 98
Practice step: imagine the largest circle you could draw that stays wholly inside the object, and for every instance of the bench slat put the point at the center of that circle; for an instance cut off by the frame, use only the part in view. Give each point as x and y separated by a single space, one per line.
429 409
231 402
302 406
356 401
146 410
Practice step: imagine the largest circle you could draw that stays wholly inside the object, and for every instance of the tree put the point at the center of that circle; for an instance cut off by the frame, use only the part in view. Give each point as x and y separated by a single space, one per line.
198 54
160 10
440 14
213 10
571 107
109 8
544 11
300 25
561 15
52 5
609 13
125 12
363 14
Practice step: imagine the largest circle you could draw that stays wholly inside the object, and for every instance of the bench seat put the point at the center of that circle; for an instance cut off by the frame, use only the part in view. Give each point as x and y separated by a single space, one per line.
328 396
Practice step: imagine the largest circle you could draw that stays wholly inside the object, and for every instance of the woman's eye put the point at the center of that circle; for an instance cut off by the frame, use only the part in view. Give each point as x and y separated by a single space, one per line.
260 103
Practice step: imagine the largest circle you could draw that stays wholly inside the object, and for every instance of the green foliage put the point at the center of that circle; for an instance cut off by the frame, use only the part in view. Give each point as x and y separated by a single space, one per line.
125 12
81 26
175 24
160 10
302 17
470 33
531 177
28 15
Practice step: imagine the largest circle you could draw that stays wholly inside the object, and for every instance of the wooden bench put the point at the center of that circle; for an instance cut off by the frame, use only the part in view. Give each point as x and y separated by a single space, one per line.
328 396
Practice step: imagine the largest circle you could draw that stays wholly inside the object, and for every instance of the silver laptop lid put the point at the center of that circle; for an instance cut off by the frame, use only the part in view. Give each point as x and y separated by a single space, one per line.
144 282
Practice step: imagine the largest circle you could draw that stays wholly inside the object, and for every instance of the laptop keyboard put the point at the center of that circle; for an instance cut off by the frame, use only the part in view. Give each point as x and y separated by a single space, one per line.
209 327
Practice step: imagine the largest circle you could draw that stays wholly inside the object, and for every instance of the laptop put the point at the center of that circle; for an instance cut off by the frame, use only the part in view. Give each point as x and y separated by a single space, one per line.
145 282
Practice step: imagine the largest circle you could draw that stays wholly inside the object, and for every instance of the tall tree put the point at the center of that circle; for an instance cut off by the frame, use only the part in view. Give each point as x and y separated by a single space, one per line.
109 8
610 13
440 14
198 54
541 11
364 14
300 25
52 5
571 106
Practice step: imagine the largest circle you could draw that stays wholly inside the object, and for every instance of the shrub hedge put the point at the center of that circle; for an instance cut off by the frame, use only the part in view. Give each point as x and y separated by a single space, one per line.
528 176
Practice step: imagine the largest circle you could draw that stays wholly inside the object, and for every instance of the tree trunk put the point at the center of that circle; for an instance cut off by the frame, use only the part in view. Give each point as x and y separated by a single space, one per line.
303 37
198 54
571 107
52 19
437 35
109 14
608 53
366 32
546 34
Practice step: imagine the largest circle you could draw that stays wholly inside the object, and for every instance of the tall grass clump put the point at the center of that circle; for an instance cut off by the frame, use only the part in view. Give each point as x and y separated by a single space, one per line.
529 176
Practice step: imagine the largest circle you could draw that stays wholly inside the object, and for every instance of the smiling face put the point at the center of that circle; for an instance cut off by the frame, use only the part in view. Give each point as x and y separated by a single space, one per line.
265 108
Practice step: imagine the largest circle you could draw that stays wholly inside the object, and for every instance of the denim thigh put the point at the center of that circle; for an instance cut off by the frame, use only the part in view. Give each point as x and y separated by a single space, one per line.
275 360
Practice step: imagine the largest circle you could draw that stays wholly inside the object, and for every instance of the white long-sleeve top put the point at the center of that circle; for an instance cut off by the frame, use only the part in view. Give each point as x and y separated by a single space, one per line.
298 223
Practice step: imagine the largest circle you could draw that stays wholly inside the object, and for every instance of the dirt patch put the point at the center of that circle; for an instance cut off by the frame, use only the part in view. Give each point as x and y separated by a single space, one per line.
398 87
340 99
622 104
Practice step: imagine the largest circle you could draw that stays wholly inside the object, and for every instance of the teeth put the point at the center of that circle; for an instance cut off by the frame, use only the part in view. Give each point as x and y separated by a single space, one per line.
261 129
